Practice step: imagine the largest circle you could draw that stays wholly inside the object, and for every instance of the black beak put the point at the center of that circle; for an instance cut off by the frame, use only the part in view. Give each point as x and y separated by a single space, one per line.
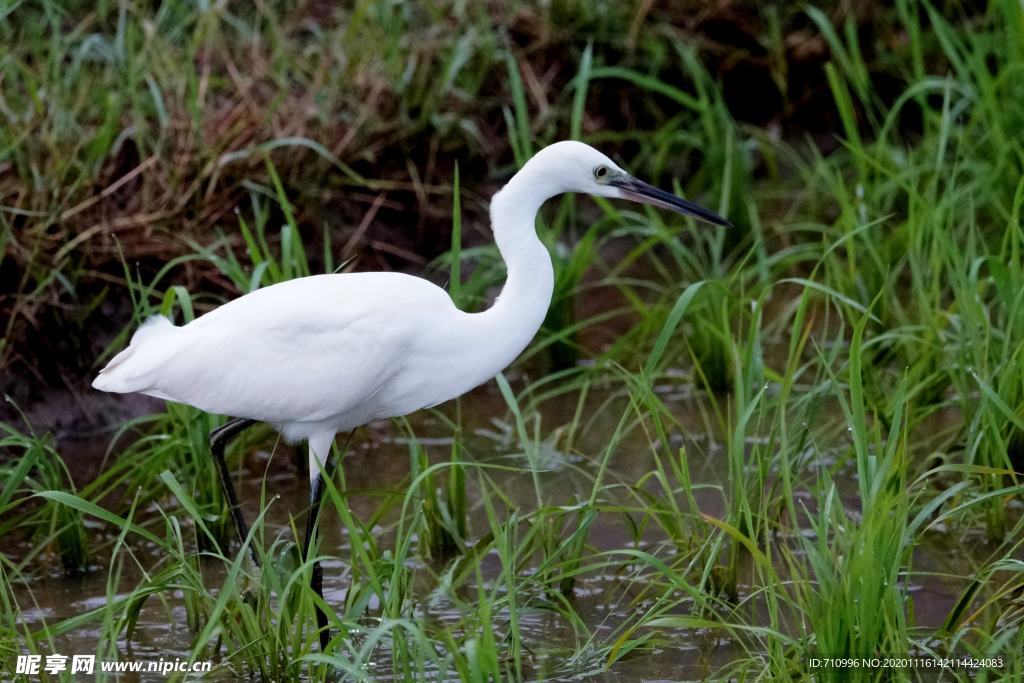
639 191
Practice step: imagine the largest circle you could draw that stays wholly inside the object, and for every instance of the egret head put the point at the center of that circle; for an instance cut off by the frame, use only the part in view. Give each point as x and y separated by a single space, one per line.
577 167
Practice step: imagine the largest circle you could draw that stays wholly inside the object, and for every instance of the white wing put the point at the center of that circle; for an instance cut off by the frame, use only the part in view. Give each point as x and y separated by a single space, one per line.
305 350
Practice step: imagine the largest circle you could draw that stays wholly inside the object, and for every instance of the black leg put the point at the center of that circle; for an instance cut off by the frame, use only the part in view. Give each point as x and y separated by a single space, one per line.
316 495
219 439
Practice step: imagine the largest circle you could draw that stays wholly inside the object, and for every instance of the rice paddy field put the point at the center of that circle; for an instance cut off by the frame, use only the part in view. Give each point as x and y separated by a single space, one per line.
791 450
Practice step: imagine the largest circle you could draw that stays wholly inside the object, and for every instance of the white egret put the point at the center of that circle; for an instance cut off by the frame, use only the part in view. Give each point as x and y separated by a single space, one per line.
323 354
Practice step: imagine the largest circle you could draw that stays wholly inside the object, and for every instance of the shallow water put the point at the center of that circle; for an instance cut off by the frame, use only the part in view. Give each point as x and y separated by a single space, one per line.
379 461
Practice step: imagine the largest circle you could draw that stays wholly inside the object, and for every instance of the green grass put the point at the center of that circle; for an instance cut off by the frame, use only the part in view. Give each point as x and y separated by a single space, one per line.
726 453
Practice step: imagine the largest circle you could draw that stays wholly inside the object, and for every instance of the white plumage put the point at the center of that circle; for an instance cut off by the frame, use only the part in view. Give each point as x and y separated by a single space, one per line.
323 354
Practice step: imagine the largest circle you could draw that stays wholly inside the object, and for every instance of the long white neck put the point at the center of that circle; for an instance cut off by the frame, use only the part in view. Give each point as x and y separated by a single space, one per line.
516 316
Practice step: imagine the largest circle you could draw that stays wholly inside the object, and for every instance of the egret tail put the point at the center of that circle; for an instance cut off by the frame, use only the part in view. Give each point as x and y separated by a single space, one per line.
134 369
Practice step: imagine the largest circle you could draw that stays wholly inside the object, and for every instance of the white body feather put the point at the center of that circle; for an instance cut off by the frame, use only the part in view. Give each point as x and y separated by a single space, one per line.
307 354
323 354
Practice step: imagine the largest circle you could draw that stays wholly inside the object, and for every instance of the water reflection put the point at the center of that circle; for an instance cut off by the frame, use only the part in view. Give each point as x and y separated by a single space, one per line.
378 465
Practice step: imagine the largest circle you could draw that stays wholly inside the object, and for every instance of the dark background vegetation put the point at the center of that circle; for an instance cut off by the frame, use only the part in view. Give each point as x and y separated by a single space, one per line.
140 133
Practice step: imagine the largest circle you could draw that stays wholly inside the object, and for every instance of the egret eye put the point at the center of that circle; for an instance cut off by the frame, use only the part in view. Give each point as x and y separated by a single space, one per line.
600 173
